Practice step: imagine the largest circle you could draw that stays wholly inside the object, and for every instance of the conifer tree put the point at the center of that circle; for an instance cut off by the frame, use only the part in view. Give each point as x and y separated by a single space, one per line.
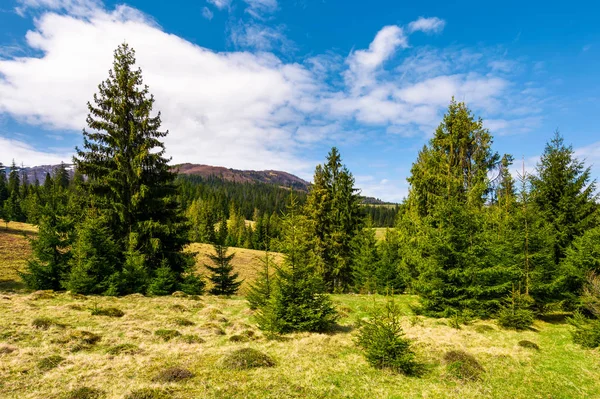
365 260
3 189
260 290
565 193
225 282
333 206
129 180
298 302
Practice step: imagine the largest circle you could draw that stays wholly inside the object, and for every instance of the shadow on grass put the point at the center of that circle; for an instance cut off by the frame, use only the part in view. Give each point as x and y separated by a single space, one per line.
12 286
15 230
555 318
340 329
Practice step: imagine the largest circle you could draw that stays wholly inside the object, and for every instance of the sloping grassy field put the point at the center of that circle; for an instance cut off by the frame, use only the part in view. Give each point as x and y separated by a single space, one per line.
52 346
119 355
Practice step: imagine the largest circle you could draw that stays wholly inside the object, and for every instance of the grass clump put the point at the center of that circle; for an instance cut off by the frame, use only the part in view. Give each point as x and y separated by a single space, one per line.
5 350
239 338
173 374
213 328
110 312
484 328
148 393
50 362
167 335
246 358
124 349
44 323
82 340
180 321
192 339
84 393
382 339
462 365
529 345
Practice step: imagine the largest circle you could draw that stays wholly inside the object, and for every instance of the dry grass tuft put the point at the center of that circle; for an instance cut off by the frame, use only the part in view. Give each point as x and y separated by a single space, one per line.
5 350
44 323
239 338
192 339
180 321
124 349
167 335
179 294
149 393
110 312
529 345
179 307
50 362
173 374
462 365
42 294
85 393
213 329
246 358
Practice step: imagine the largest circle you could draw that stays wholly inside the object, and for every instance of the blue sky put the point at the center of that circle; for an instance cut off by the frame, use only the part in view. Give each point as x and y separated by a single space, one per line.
273 84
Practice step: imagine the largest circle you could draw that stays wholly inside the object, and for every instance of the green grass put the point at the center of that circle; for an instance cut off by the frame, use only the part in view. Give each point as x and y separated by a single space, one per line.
119 357
129 355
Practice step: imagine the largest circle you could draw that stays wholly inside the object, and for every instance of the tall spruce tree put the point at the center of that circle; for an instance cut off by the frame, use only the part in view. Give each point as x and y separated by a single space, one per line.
565 193
129 180
333 206
449 186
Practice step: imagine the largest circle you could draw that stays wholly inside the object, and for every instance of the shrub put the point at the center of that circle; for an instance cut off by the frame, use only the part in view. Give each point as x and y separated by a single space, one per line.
167 335
173 374
587 331
50 362
110 312
180 321
44 323
516 312
192 284
163 283
382 339
246 358
462 365
124 349
85 393
529 345
148 393
192 339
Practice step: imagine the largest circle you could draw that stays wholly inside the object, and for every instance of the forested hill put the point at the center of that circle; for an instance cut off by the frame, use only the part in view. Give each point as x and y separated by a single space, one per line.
275 177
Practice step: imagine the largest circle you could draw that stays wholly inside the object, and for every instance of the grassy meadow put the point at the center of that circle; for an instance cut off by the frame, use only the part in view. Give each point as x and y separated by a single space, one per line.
58 345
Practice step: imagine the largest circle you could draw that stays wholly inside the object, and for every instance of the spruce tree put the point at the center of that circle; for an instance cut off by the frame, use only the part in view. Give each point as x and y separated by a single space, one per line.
3 189
365 260
298 301
333 206
225 282
129 180
260 290
565 193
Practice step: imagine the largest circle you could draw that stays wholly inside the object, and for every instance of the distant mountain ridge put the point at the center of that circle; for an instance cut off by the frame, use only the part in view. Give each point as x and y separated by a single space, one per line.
275 177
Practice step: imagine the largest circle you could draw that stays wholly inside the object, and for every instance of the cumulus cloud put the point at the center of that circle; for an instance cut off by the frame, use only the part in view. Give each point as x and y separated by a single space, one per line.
242 109
427 25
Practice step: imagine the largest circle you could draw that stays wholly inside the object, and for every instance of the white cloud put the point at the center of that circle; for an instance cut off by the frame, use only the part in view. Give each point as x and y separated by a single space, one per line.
242 109
260 37
24 153
258 8
74 7
207 13
427 25
220 4
363 63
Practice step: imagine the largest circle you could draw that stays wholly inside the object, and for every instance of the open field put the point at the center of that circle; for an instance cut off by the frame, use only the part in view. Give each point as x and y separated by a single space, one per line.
119 355
51 345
